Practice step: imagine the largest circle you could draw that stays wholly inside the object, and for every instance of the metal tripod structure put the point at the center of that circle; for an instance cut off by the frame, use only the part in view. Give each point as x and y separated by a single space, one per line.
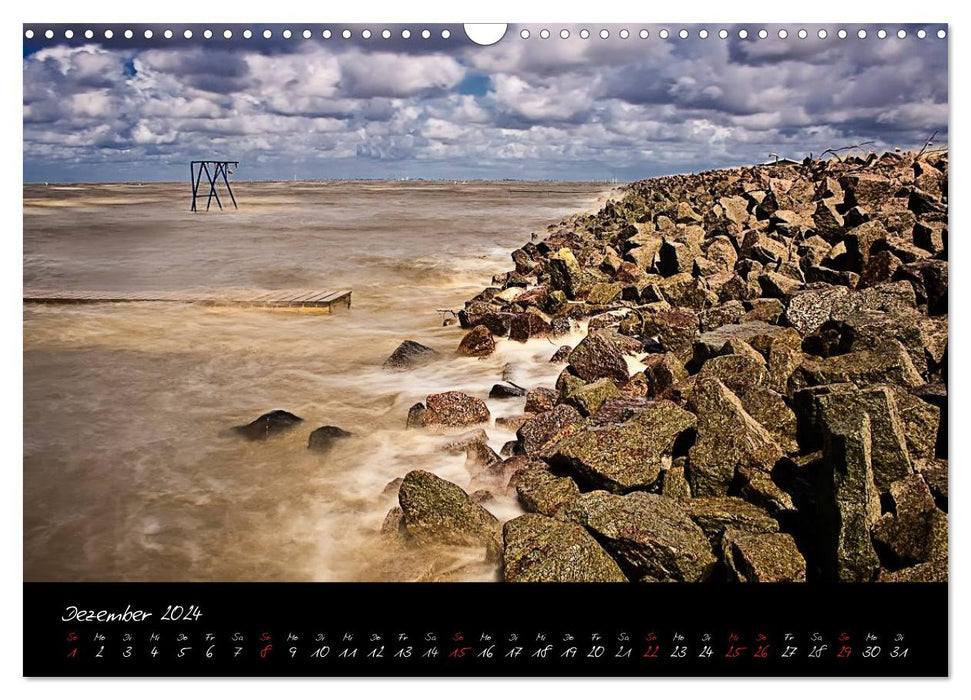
213 169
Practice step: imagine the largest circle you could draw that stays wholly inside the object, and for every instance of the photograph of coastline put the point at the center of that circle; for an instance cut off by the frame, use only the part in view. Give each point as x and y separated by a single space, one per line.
621 307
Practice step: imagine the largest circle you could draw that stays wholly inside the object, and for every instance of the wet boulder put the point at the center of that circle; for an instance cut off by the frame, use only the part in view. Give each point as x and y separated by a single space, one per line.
675 329
478 342
562 354
499 477
650 535
760 557
410 355
436 511
543 550
529 325
886 363
452 409
506 391
325 437
619 457
268 425
415 414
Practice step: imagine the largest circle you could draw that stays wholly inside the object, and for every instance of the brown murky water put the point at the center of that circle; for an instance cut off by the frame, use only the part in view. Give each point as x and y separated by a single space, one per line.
128 472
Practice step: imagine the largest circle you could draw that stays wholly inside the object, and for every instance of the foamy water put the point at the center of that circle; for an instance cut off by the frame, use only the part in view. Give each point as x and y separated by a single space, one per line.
128 471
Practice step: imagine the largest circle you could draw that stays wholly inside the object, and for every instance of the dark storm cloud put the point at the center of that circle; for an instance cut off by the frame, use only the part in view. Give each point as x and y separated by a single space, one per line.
108 108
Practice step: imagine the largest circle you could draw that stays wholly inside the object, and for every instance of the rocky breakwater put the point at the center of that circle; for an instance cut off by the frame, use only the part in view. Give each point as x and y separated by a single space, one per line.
760 395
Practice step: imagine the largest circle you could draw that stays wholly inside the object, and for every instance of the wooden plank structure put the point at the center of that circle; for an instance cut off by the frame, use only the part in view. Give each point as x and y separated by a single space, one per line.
214 170
316 301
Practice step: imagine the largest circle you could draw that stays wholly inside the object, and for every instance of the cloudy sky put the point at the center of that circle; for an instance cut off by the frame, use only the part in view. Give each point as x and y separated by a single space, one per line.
139 109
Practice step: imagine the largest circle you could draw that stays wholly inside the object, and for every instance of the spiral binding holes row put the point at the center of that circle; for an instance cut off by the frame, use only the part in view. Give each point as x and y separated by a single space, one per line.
523 34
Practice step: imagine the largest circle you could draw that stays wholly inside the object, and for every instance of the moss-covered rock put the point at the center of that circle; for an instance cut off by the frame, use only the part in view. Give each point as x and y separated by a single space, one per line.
759 557
728 438
543 550
628 455
650 535
544 493
436 511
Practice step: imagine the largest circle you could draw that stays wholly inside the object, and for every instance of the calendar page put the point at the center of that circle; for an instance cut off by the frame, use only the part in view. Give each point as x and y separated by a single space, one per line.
485 350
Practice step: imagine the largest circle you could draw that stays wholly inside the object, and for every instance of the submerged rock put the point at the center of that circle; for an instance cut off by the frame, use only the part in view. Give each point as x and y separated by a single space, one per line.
268 425
324 438
543 550
410 355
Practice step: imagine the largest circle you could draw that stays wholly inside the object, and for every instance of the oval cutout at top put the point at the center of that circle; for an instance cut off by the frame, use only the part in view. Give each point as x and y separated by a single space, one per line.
485 34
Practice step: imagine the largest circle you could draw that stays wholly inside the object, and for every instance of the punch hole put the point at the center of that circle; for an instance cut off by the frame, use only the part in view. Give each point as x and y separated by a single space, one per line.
841 34
722 33
941 34
425 34
167 33
207 34
802 34
604 34
129 33
68 33
683 34
247 34
306 33
386 34
881 34
544 34
703 34
287 34
446 34
346 33
29 34
821 34
227 34
921 34
564 33
643 34
88 34
405 33
49 34
783 34
624 33
366 34
743 34
663 33
763 34
267 34
524 34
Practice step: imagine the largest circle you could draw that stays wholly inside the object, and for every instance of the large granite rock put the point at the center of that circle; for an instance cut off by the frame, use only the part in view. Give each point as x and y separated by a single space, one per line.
760 557
715 515
546 428
628 455
650 535
728 438
545 493
543 550
436 511
848 501
596 357
478 342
